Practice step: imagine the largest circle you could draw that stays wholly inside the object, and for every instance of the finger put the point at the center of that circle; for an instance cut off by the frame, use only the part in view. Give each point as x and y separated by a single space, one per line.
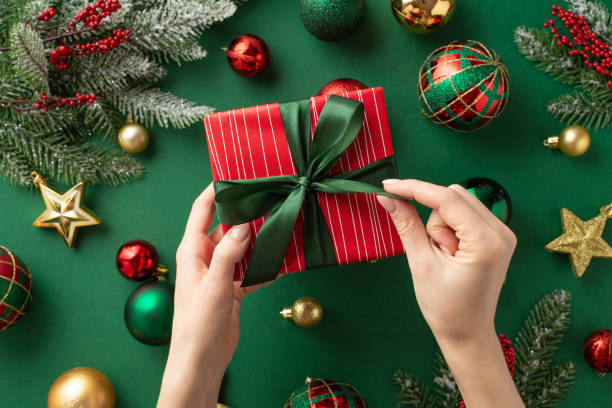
408 225
227 254
454 210
195 242
442 234
484 212
216 234
202 213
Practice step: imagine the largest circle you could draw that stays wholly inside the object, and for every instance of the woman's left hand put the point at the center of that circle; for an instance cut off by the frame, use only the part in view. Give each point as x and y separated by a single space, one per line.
205 329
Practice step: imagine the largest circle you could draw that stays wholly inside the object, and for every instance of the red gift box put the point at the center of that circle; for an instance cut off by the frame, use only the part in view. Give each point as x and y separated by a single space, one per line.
250 143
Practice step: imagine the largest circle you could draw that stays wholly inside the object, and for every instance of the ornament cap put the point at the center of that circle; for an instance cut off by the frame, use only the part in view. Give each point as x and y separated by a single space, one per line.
287 313
161 273
37 179
552 142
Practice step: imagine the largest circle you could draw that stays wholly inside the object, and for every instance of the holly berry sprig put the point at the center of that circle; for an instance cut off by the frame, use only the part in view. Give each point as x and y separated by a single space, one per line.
59 56
91 18
594 51
44 102
509 356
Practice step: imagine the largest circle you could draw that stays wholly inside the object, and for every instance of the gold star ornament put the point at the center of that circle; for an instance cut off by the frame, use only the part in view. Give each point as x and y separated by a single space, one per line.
582 240
64 212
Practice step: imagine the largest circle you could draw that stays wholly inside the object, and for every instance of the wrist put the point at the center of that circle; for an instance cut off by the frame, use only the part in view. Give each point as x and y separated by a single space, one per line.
190 379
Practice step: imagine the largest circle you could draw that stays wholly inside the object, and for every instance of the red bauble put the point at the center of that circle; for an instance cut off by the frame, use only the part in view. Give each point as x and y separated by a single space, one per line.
341 86
137 260
248 55
597 351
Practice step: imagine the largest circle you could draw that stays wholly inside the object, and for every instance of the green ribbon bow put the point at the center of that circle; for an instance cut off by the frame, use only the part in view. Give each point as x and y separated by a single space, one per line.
282 197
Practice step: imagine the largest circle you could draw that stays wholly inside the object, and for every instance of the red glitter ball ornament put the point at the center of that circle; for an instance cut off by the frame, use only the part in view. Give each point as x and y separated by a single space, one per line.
341 86
137 260
248 55
597 351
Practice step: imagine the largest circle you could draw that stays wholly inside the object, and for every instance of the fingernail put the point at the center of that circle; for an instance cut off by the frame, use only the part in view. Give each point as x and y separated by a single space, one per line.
240 232
444 249
387 203
391 181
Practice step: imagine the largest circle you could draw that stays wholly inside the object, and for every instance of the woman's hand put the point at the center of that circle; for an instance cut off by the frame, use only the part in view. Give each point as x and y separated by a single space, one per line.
458 263
206 309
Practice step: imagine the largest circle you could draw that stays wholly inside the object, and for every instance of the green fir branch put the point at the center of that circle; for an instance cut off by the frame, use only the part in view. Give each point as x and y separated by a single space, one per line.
447 391
30 60
578 108
556 385
537 342
411 392
14 167
55 142
68 160
109 73
175 25
153 105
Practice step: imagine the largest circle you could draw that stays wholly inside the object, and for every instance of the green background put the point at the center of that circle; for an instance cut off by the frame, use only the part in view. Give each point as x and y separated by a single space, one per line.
372 324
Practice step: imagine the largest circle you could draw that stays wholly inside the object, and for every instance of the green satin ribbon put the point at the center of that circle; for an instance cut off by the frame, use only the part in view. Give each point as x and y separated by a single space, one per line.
282 197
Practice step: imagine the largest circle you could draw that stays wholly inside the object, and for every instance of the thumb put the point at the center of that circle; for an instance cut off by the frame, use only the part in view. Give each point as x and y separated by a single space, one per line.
228 252
408 225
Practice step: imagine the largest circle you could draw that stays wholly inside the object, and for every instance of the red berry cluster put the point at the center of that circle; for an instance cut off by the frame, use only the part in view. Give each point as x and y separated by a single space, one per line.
92 15
44 102
508 350
105 45
47 14
506 345
58 56
594 51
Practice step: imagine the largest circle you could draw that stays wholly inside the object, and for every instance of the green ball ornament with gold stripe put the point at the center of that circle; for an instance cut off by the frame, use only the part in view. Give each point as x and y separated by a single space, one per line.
318 393
463 86
15 289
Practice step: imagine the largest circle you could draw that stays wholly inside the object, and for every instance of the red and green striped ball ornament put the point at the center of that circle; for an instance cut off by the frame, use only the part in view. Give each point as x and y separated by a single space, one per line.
318 393
463 86
15 289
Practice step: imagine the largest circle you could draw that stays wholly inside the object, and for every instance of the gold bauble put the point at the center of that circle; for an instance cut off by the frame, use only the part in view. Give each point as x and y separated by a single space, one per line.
81 387
572 141
306 312
222 406
423 16
133 137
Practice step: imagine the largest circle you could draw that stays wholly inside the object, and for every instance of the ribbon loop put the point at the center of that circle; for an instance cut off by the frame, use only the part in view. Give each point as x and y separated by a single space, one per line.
278 197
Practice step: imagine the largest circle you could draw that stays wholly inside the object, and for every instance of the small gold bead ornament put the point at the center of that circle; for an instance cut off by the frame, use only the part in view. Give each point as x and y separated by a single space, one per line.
306 312
572 141
222 406
133 137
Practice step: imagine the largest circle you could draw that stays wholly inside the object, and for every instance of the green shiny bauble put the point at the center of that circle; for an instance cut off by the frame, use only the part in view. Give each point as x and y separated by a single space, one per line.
148 313
331 20
492 195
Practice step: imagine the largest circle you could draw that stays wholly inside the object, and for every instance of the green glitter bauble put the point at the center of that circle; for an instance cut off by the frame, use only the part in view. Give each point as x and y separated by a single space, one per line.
331 20
148 313
492 195
463 86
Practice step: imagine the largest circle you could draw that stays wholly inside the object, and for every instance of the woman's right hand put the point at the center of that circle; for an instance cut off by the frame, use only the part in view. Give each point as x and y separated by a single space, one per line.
458 263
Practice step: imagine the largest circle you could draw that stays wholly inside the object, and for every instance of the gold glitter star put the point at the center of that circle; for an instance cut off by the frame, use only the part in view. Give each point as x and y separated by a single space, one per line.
65 212
582 239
